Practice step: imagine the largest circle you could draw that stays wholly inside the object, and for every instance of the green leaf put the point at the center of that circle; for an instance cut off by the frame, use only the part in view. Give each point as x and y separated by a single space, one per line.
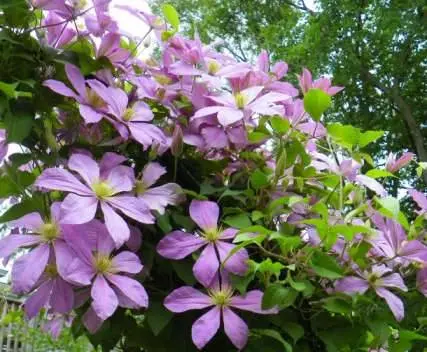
278 295
369 137
18 126
390 206
157 317
239 221
184 270
9 89
171 15
241 282
316 102
280 125
28 205
257 215
294 330
268 267
256 137
345 135
376 173
326 266
349 231
275 335
258 179
337 305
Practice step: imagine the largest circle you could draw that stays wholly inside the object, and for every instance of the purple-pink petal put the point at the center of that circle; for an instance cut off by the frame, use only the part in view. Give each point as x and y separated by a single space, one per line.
205 214
59 88
251 302
27 269
133 207
178 245
130 288
127 262
395 303
152 172
206 266
352 284
38 299
205 328
62 296
62 180
186 298
76 209
236 263
116 225
9 244
85 166
393 280
31 221
105 301
235 328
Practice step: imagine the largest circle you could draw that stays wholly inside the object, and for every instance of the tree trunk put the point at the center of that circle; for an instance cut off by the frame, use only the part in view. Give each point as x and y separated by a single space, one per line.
414 129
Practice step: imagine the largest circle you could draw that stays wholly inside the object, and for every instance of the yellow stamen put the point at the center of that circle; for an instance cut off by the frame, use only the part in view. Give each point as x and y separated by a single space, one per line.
102 190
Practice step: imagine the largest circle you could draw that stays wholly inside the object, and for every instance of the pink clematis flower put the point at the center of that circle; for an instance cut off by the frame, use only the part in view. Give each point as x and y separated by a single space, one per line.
222 299
380 279
391 242
178 244
157 198
110 288
137 118
306 83
110 48
349 169
235 107
394 165
3 145
105 189
420 199
60 35
101 22
91 106
46 238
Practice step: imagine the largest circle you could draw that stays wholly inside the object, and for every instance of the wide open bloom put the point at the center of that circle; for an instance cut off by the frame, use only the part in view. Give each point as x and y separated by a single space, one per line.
91 106
380 279
105 271
394 165
178 244
222 298
235 107
46 239
392 243
3 144
157 198
137 117
105 189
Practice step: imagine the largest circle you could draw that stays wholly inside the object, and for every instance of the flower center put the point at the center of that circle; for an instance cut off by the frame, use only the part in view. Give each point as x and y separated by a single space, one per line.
373 279
163 79
49 231
211 234
129 114
213 67
140 187
94 99
102 189
102 263
240 100
51 271
221 298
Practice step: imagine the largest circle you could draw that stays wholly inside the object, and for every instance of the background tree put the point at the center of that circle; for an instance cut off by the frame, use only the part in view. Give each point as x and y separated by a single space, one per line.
376 49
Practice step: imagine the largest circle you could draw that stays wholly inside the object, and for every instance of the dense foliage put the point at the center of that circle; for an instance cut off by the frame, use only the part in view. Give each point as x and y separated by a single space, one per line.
146 190
377 49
